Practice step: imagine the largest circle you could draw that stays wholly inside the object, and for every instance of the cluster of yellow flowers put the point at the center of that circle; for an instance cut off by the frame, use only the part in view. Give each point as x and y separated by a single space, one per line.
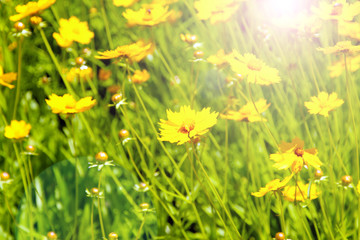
293 155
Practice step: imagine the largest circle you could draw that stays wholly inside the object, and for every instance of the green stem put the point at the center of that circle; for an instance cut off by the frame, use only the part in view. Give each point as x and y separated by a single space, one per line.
218 197
356 160
106 23
99 210
55 61
266 127
92 220
76 181
193 203
141 226
18 84
330 228
211 202
282 218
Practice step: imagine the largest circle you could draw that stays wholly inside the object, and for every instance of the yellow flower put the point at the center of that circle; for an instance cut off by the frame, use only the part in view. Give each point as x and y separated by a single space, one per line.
216 11
255 70
135 52
323 104
349 29
82 73
7 78
186 125
337 10
337 68
31 8
124 3
219 59
153 15
300 193
293 155
17 129
73 30
67 104
341 47
248 112
140 76
274 185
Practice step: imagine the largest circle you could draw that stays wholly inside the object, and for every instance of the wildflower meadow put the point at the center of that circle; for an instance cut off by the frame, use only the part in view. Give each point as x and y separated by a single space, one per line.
179 119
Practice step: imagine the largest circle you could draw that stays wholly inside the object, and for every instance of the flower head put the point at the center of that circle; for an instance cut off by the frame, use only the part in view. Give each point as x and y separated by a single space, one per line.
323 104
140 76
67 104
73 30
337 10
186 125
83 73
7 78
124 3
341 47
255 70
248 112
295 156
338 67
300 192
153 15
349 29
219 59
134 52
31 8
216 11
17 129
273 185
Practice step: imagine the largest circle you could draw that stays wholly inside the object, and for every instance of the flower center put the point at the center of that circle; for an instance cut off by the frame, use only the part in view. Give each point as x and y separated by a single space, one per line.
299 152
148 15
337 9
70 105
254 64
187 126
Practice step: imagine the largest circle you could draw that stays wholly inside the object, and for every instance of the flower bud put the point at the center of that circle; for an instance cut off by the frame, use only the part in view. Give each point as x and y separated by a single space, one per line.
94 191
35 20
79 61
318 173
280 236
101 157
30 148
346 180
52 235
4 176
198 54
144 206
116 97
19 26
123 133
113 236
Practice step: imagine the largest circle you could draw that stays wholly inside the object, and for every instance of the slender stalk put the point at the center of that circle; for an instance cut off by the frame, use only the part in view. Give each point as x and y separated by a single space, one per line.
141 226
99 209
106 23
76 180
218 197
356 160
18 84
193 203
92 220
211 202
328 225
26 185
56 63
282 218
266 127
